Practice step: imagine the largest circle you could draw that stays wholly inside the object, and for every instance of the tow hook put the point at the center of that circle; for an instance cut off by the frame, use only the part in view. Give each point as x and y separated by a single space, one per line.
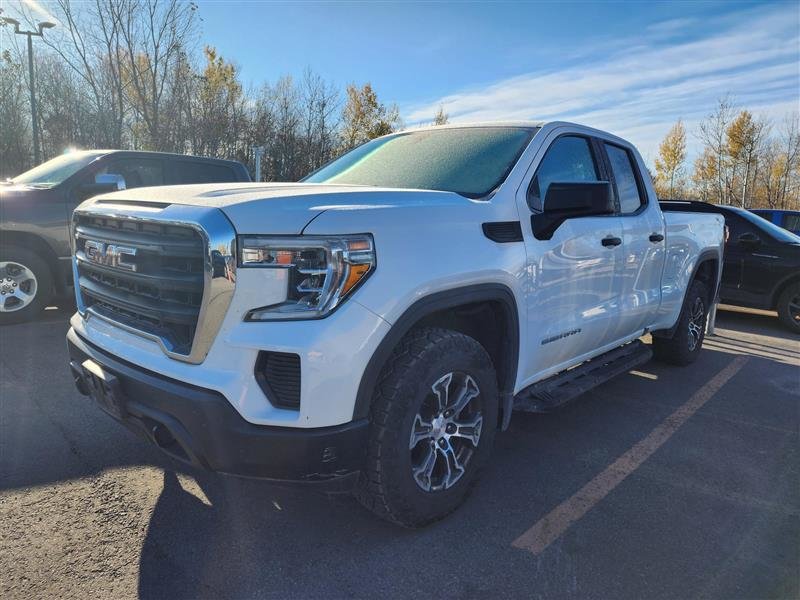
77 376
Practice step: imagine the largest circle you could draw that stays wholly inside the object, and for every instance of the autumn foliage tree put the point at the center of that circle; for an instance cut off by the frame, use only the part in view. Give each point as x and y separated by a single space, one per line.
744 160
669 164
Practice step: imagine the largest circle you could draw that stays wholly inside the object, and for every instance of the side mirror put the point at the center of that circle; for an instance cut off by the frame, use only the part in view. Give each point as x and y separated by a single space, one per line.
103 183
571 201
749 240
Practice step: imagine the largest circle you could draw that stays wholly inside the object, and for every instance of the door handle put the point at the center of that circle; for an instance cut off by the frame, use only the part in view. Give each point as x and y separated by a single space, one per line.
611 241
656 237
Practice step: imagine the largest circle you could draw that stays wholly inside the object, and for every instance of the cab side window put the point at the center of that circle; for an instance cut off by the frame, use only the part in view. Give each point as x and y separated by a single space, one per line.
568 160
630 198
137 172
200 172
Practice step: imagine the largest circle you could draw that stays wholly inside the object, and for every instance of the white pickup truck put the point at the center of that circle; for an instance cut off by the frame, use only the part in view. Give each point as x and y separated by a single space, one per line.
374 326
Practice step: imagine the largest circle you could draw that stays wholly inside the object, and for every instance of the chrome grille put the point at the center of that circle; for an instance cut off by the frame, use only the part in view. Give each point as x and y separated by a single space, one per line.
169 268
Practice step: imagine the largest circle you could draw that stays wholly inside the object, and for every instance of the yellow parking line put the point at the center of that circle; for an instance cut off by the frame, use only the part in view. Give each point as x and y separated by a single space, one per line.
556 522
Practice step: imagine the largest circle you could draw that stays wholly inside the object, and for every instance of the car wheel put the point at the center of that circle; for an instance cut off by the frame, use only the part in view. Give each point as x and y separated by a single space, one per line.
789 307
433 423
684 346
25 285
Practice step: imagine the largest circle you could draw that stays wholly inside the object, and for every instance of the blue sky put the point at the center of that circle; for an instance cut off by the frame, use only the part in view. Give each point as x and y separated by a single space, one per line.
630 67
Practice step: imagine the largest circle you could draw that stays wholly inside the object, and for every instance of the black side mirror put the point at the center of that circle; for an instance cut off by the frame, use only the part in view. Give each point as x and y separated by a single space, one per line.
571 201
749 240
102 184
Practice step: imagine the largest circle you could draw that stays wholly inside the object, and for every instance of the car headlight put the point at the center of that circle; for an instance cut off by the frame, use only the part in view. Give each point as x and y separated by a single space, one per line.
322 271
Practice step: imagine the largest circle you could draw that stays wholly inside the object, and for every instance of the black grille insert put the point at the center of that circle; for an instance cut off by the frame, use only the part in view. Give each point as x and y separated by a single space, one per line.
164 293
278 375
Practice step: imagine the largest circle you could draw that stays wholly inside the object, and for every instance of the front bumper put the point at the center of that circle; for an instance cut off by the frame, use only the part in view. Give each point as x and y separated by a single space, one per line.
199 426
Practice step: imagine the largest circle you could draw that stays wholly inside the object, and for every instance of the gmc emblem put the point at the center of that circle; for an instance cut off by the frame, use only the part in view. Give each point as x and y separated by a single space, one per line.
109 255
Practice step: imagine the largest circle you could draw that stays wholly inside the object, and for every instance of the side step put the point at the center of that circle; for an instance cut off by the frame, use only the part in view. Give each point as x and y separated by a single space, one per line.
554 391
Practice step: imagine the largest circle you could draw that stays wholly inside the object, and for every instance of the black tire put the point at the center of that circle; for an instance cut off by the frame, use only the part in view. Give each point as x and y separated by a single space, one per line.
43 284
404 392
684 346
789 307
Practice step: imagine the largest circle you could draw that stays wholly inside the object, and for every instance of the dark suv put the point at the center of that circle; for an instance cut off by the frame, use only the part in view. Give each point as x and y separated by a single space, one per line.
35 209
761 263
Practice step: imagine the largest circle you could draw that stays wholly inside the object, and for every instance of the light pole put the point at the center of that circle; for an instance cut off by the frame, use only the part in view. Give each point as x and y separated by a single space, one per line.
258 152
39 33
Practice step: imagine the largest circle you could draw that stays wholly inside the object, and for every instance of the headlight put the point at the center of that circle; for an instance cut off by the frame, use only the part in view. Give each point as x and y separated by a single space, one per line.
322 271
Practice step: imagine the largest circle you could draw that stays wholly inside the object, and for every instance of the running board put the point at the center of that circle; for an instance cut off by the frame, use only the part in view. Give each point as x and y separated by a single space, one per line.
554 391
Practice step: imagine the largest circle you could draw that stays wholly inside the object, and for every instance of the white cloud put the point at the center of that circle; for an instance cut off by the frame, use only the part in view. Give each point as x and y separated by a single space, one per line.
639 90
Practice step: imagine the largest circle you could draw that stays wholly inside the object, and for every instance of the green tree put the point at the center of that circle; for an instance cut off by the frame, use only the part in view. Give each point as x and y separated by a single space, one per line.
441 117
364 117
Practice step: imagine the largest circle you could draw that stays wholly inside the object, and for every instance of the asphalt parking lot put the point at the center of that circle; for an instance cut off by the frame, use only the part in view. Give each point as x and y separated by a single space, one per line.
665 483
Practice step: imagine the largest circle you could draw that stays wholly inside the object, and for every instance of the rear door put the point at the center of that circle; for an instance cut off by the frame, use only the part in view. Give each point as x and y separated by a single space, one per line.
643 242
572 297
751 263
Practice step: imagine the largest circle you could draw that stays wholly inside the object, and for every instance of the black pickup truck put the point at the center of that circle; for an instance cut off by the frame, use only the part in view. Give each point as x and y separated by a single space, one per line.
761 262
35 209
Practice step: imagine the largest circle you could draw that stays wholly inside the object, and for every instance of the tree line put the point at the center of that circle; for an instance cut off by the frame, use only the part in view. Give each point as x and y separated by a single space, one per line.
128 74
746 160
131 74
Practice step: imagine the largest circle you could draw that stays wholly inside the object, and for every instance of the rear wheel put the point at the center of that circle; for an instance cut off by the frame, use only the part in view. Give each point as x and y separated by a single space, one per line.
789 307
25 285
434 418
684 346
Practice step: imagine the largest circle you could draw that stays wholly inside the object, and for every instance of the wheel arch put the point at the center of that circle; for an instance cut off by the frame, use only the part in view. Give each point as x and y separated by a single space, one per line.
707 269
781 287
459 309
37 244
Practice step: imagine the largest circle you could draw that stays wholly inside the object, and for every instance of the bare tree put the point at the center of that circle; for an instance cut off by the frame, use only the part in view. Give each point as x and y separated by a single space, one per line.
713 133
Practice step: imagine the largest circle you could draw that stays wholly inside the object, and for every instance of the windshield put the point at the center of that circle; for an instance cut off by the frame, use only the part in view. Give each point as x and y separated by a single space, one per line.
777 232
471 161
56 170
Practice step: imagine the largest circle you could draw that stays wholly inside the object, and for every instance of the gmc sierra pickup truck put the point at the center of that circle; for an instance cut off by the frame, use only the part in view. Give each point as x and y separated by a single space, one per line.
374 326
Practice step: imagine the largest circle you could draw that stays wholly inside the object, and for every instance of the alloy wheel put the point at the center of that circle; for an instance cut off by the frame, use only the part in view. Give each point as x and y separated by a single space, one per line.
446 432
18 286
696 323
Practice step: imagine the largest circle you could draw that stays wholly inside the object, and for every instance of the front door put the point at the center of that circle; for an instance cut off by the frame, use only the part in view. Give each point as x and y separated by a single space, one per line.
572 297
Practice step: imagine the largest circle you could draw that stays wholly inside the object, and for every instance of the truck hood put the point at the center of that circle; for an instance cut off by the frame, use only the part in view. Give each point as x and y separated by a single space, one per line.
279 208
11 192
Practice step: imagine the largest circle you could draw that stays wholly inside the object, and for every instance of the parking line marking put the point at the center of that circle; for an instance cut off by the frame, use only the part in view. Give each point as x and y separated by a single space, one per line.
550 527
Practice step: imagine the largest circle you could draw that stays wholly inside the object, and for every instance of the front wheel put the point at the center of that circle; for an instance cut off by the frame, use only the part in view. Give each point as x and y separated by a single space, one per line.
434 418
684 346
25 285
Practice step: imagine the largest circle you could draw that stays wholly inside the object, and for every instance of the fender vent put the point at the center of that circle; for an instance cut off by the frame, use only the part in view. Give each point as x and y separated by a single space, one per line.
278 375
503 232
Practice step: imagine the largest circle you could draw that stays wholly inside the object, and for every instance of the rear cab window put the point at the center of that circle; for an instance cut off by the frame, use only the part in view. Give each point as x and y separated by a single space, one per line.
187 171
